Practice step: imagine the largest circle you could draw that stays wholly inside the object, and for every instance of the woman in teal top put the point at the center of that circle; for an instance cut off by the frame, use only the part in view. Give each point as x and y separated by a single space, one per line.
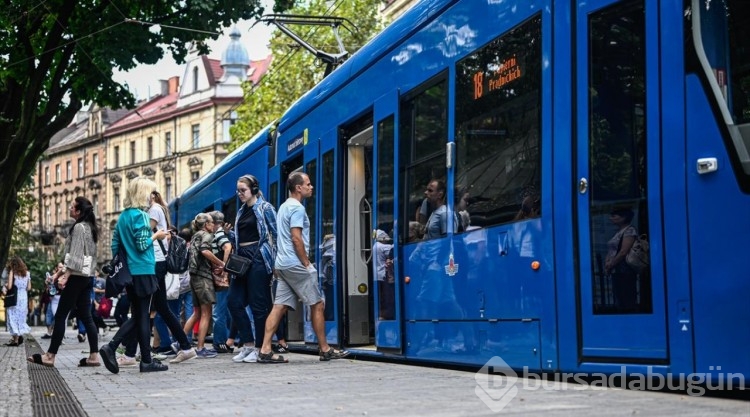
134 237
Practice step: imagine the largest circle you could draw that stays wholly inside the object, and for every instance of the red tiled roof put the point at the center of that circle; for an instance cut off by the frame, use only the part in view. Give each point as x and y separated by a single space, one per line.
213 69
259 68
148 110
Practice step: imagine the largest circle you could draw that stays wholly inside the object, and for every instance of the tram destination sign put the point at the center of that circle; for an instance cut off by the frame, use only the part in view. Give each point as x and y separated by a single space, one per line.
485 82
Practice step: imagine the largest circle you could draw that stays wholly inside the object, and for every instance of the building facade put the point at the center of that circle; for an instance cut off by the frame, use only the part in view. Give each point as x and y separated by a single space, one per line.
179 135
173 138
74 165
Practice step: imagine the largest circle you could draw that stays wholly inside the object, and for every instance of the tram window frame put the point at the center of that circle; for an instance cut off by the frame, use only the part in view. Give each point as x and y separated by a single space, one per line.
496 84
421 160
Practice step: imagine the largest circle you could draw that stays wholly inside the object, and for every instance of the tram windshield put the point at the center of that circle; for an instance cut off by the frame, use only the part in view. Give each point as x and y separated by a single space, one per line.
721 37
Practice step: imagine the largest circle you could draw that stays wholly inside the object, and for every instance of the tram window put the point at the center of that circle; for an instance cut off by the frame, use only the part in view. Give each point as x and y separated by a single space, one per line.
498 125
384 176
423 134
617 156
311 169
229 209
327 195
328 243
273 194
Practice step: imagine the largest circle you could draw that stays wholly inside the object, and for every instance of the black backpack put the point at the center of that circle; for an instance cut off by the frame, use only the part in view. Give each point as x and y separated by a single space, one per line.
178 256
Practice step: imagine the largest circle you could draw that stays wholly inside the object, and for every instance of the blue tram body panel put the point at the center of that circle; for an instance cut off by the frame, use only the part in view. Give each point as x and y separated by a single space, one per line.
718 222
533 291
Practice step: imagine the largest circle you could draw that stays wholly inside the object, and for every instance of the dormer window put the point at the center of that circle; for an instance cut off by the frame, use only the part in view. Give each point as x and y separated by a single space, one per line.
195 79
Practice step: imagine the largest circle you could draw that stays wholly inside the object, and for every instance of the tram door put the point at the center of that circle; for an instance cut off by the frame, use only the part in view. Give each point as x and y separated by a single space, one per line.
323 169
357 223
386 289
294 318
621 306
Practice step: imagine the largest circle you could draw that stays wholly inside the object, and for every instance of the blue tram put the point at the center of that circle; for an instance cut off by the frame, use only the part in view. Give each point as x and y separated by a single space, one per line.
479 166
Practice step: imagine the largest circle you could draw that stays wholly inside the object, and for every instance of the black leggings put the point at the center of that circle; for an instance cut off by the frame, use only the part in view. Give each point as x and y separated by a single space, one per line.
77 293
138 324
161 307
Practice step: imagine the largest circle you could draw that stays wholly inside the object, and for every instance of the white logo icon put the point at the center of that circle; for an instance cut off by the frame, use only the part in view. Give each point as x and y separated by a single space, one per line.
496 384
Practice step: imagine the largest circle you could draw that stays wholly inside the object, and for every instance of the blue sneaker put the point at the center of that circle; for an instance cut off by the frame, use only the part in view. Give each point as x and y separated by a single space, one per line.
206 354
176 347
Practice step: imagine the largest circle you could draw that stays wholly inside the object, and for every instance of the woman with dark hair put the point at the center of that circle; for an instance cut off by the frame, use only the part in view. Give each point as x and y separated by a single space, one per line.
79 265
624 278
15 320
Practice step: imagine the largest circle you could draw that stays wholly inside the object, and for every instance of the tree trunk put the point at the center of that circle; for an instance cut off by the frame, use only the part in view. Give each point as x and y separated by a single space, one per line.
8 209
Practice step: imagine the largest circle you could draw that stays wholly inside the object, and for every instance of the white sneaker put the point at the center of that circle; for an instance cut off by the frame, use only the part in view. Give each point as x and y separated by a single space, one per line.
124 362
184 355
244 352
252 357
159 356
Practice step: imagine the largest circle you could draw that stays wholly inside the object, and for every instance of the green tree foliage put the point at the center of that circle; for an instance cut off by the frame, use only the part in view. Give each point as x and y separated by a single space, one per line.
56 55
294 70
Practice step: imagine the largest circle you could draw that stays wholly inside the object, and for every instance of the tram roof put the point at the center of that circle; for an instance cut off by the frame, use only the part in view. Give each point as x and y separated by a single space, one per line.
387 40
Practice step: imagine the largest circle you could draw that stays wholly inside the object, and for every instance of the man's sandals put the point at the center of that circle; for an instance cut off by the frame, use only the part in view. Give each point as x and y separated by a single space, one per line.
268 358
333 354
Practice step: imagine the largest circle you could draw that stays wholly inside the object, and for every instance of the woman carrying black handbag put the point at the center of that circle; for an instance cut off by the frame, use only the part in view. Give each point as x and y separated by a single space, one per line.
80 264
255 234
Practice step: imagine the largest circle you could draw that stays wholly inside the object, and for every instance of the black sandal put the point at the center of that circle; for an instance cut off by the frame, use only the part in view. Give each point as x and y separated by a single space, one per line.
268 358
37 359
333 354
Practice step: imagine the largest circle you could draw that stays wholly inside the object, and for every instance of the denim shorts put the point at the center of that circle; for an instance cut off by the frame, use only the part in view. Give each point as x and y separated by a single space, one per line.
298 282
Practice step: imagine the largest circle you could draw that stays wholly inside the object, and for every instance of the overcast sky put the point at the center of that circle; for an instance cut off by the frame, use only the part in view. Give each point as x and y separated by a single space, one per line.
144 79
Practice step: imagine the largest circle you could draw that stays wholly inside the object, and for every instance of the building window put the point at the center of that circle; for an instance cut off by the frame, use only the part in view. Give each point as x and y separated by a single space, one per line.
227 125
47 216
196 136
168 142
96 163
195 79
168 189
57 174
95 202
58 213
117 156
81 173
150 148
132 152
46 175
116 199
194 176
69 171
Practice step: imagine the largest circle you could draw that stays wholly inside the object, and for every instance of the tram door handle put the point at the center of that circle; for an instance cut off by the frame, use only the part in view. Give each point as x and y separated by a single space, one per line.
583 185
